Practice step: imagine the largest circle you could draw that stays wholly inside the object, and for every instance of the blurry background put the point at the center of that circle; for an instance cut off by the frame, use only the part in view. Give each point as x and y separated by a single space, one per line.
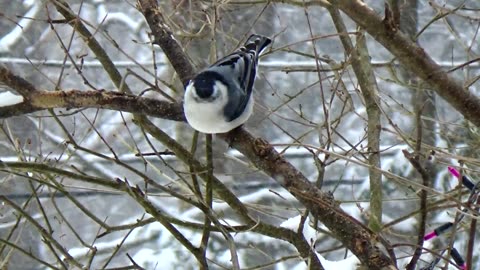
307 99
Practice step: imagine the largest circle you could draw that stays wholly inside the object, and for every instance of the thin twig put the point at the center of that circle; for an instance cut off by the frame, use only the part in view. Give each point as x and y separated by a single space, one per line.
414 160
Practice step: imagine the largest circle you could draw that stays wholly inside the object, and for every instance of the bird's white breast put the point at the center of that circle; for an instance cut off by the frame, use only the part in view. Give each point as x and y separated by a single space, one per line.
207 115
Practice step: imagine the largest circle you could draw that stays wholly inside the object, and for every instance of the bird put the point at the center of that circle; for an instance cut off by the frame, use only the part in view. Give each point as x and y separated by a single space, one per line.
219 98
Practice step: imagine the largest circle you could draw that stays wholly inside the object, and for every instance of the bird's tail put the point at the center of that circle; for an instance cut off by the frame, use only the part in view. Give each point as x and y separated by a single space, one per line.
257 43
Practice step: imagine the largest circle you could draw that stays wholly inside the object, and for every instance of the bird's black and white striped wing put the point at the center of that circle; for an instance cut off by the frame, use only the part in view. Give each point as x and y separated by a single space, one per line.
254 45
242 66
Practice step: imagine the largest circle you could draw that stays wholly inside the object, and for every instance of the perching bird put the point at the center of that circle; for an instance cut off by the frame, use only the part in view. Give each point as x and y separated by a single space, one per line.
219 98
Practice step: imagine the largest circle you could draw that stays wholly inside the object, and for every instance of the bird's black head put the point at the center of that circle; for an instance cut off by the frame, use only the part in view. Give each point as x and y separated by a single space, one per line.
204 83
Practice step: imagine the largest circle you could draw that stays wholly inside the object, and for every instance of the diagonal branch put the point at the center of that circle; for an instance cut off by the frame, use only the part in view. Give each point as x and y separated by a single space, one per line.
16 82
353 234
163 37
227 196
102 56
366 79
413 57
359 239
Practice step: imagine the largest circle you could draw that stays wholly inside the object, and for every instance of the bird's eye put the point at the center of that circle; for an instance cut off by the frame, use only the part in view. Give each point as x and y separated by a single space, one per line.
205 92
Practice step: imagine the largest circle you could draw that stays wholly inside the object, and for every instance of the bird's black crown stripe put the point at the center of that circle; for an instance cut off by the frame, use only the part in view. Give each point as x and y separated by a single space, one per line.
205 81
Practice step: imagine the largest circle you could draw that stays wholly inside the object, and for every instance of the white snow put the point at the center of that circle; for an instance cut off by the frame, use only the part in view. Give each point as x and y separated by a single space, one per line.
8 98
349 263
9 40
310 234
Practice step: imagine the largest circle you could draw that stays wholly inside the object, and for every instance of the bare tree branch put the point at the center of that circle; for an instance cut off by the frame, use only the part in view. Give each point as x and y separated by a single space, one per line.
164 38
353 234
64 9
368 84
75 99
16 82
89 136
414 58
415 161
227 196
359 239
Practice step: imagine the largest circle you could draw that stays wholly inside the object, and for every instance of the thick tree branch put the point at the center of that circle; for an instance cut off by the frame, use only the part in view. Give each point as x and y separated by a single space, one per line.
73 99
163 37
37 100
413 57
227 196
352 233
15 82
